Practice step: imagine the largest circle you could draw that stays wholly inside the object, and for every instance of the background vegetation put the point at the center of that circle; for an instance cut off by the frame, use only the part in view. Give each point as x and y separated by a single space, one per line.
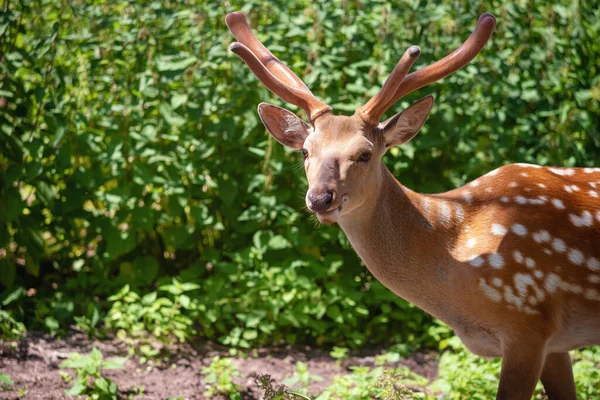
139 190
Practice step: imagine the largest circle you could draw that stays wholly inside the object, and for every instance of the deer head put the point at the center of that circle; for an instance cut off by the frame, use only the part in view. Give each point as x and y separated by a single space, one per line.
342 154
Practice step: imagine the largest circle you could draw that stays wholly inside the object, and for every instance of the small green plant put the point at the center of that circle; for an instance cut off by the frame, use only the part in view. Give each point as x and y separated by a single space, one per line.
376 383
281 392
302 376
339 353
10 329
89 323
89 380
5 382
218 377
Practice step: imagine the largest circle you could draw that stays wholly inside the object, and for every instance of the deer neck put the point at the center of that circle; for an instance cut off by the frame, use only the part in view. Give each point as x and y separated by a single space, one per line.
405 238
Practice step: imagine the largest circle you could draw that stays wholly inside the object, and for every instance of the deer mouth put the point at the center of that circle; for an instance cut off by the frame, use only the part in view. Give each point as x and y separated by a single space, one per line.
331 216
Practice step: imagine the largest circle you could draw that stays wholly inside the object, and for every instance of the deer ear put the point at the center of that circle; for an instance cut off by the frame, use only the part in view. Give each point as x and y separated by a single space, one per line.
284 125
404 126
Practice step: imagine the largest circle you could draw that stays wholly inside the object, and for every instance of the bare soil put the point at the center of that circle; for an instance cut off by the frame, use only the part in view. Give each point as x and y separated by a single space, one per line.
34 367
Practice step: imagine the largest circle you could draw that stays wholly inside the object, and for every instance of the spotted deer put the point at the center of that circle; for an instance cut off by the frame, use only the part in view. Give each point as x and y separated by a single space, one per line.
510 261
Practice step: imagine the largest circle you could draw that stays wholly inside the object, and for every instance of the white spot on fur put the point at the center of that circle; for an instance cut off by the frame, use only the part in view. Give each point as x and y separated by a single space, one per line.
593 193
445 213
594 278
598 216
539 201
548 251
459 212
494 172
504 199
592 294
475 183
519 229
538 274
563 171
498 230
593 264
576 257
471 243
542 236
542 185
571 287
527 165
557 203
585 219
488 190
489 291
568 189
552 282
467 197
496 260
510 297
512 184
520 199
426 203
529 310
477 261
529 262
559 245
518 256
521 283
525 174
497 282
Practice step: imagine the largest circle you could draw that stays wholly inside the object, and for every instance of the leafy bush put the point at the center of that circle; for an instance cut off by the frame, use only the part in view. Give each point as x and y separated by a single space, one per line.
131 152
586 370
160 316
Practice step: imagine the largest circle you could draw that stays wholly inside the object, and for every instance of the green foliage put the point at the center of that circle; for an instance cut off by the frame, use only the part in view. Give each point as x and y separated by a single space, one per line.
586 370
218 377
302 376
377 383
10 329
6 383
160 316
465 375
89 380
131 153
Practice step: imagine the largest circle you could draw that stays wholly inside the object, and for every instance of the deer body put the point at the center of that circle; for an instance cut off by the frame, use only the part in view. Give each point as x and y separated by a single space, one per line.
510 261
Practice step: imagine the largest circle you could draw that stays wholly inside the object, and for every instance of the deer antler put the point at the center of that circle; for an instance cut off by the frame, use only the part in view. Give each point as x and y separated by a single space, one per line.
398 85
275 75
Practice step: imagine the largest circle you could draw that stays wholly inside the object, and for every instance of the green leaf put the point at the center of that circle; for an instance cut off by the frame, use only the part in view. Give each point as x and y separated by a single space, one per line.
115 363
278 242
174 63
78 387
5 379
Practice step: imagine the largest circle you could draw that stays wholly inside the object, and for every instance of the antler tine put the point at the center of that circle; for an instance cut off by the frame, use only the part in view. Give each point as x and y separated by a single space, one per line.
287 93
444 67
275 75
373 110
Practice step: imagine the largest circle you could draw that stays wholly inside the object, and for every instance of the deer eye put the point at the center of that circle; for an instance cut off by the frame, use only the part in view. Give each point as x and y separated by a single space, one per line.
364 157
305 153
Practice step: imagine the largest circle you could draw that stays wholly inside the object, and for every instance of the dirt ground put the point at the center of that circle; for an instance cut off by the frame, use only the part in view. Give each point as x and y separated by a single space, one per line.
34 367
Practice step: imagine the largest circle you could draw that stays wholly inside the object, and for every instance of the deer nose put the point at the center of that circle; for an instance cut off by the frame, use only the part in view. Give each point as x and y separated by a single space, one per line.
319 202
